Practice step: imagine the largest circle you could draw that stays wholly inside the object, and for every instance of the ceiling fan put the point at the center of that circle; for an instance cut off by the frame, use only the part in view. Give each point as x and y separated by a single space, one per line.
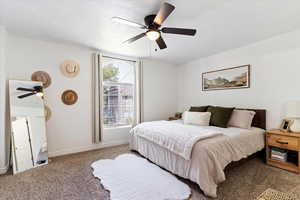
36 90
153 24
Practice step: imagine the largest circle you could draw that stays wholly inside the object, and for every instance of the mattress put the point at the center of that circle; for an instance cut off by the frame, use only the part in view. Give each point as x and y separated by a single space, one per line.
209 156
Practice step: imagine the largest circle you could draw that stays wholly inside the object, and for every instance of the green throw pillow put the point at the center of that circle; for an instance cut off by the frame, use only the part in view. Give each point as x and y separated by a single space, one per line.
198 109
220 116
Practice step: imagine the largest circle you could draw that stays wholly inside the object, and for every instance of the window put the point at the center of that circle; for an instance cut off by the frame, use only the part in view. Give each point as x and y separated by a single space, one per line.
118 92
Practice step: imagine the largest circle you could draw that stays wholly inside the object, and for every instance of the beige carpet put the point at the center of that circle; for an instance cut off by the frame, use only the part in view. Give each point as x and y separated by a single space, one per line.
70 177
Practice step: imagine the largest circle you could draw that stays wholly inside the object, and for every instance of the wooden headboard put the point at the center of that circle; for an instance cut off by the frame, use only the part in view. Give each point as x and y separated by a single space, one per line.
259 119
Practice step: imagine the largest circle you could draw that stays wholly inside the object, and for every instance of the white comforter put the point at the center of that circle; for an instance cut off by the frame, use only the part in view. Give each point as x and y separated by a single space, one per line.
177 138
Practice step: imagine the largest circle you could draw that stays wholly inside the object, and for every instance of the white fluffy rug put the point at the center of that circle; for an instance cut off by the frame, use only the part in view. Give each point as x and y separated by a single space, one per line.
129 177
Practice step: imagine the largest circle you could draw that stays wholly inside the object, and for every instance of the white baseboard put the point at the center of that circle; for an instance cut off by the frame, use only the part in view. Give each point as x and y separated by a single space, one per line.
4 169
86 148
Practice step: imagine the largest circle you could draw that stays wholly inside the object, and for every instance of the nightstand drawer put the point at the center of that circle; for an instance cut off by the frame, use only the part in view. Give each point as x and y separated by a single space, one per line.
285 142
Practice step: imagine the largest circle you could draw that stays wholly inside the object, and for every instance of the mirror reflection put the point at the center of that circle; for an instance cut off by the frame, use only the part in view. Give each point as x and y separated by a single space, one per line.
28 130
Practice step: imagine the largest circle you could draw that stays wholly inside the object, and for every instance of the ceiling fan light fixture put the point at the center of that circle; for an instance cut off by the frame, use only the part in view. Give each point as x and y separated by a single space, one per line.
39 94
39 91
153 25
153 35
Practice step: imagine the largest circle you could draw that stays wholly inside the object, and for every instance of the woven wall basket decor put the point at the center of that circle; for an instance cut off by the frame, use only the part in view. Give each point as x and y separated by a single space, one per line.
69 68
69 97
43 77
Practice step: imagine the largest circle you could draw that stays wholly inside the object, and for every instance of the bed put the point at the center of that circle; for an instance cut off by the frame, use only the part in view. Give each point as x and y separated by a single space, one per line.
209 155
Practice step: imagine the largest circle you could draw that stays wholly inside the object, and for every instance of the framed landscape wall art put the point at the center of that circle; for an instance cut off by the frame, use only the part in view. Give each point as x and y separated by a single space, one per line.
230 78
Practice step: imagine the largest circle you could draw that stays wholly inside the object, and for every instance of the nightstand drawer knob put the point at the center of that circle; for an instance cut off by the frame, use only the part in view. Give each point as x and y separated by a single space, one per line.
280 142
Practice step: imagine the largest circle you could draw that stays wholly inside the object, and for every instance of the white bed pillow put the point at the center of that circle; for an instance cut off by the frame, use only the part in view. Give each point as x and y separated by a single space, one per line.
196 118
241 119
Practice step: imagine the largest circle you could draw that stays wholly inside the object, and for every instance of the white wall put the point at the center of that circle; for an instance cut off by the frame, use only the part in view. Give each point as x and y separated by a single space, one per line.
3 158
275 77
160 90
70 128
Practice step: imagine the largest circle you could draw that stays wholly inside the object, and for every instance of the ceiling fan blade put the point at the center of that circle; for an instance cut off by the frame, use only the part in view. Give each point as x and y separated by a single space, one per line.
161 43
181 31
25 89
25 95
127 22
165 10
135 38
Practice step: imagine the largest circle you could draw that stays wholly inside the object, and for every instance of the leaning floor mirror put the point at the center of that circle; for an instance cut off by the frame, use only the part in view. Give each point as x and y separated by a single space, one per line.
28 126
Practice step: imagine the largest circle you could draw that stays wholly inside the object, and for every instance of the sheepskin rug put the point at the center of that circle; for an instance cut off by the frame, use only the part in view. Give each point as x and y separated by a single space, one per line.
129 177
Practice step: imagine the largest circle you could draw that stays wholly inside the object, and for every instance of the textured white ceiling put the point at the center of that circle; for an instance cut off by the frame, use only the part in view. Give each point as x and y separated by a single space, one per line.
220 24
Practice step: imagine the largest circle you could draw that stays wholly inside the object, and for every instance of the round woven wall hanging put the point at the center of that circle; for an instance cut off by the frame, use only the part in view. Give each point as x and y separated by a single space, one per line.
69 97
69 68
48 113
43 77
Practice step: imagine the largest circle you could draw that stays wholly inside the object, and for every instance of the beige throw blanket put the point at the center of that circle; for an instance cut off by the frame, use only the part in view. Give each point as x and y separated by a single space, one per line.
177 138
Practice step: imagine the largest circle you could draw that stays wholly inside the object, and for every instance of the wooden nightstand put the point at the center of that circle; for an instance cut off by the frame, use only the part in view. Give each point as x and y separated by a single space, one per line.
173 118
284 140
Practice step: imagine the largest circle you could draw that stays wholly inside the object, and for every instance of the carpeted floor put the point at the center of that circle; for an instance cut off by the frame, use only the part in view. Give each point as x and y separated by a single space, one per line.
70 177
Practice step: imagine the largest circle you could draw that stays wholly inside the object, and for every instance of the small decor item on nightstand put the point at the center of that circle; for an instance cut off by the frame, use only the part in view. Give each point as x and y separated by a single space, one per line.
285 125
293 113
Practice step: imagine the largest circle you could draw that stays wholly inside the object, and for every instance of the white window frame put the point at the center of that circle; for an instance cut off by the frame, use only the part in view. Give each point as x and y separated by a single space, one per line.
98 97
